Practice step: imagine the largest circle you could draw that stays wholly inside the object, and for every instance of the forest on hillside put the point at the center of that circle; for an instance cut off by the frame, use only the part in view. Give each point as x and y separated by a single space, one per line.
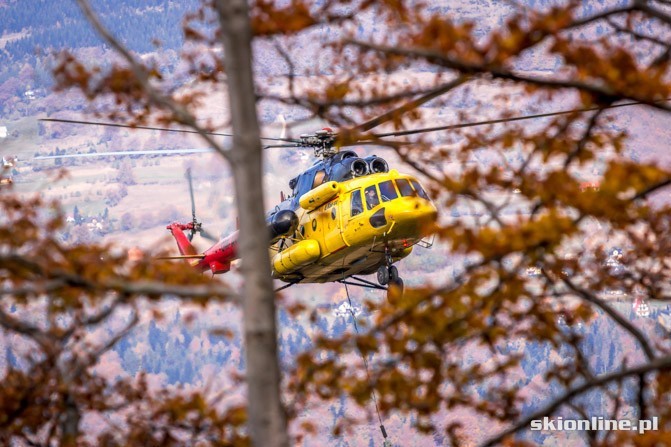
64 25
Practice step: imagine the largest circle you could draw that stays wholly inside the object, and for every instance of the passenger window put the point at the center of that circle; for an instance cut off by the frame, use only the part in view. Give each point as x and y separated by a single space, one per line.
319 178
356 203
387 191
371 197
404 187
419 189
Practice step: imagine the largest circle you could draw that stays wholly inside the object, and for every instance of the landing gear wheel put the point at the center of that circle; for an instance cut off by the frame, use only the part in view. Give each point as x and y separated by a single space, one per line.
383 275
393 274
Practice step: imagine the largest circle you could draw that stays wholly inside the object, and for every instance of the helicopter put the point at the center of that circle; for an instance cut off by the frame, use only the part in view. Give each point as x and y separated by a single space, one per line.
345 217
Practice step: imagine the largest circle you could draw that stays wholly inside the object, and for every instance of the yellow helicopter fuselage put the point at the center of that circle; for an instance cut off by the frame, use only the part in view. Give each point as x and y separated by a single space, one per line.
353 227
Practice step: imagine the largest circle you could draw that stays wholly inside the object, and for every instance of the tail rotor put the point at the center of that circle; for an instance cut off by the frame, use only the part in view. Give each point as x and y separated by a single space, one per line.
196 227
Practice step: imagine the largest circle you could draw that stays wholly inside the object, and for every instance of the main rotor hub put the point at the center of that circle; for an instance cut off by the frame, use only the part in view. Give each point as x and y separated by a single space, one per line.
322 141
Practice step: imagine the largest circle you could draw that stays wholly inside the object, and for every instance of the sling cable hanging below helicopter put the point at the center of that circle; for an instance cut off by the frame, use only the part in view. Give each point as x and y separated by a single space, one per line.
386 440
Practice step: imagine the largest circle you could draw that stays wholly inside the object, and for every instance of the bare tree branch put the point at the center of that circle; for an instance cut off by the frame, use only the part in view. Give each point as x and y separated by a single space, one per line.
599 16
309 102
637 35
93 356
613 314
21 327
658 364
412 105
580 145
502 73
180 113
57 279
70 422
644 6
656 187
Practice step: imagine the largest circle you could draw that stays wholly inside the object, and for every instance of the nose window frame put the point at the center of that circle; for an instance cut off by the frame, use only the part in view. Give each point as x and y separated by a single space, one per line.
393 192
419 190
405 188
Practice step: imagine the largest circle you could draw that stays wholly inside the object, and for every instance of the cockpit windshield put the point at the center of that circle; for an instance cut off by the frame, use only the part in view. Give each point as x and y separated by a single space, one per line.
407 187
419 189
404 187
387 191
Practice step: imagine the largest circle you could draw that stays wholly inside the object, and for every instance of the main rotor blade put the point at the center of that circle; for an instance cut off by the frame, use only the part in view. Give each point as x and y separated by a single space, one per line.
162 129
208 235
500 120
193 200
112 153
273 146
408 106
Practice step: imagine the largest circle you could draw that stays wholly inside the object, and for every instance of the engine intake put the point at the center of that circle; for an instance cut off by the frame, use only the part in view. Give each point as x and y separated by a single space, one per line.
348 168
377 164
358 167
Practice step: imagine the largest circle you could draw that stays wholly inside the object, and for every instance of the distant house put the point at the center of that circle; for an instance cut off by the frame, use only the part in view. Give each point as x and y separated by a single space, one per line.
641 308
3 131
8 162
593 186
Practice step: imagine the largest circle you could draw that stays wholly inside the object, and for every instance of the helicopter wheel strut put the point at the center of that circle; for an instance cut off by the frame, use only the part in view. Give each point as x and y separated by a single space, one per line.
387 274
393 274
383 275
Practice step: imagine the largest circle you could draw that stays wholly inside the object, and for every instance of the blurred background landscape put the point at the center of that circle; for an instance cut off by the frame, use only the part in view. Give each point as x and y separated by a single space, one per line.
128 201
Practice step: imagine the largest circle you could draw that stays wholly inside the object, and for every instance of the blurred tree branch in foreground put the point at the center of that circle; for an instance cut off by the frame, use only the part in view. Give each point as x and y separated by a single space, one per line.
536 247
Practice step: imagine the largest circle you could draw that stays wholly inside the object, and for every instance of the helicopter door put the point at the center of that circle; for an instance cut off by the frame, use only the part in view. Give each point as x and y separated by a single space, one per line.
333 226
352 219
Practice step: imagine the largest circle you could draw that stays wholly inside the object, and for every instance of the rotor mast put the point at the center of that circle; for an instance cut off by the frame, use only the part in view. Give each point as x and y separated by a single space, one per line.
322 141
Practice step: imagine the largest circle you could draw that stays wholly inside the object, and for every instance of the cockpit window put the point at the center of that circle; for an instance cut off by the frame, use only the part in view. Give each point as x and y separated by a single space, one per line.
419 189
356 203
371 197
404 187
387 191
319 178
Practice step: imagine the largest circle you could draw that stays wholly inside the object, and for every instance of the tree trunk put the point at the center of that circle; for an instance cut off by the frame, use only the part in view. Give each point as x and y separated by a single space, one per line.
267 420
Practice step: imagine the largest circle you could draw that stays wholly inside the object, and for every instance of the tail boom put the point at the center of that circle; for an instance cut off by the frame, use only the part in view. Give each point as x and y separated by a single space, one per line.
217 258
183 243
